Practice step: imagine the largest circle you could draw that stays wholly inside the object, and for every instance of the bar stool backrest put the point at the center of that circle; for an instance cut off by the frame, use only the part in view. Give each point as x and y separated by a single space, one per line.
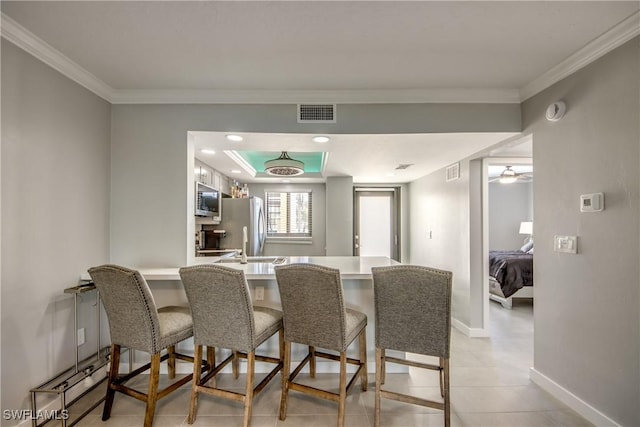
221 306
312 305
413 309
130 307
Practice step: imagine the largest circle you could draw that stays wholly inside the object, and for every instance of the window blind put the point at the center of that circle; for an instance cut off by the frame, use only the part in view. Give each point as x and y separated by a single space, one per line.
289 214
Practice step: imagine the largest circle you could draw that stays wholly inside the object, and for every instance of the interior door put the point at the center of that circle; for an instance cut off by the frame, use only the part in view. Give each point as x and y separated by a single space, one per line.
376 223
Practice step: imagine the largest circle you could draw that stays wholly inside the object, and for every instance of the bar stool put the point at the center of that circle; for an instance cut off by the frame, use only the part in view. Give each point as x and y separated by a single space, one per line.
315 315
413 314
224 316
136 323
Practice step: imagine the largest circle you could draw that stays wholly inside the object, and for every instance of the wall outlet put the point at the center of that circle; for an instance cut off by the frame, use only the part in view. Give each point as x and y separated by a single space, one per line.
259 293
80 336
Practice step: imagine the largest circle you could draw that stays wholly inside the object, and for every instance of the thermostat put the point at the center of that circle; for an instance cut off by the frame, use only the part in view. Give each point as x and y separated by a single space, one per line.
592 202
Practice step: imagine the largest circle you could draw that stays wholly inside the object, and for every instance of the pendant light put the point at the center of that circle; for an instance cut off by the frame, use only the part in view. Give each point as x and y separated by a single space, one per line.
284 166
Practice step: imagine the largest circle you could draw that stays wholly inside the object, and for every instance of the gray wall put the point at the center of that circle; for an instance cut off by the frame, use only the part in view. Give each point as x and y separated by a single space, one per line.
317 247
55 215
439 227
339 215
509 204
150 166
587 313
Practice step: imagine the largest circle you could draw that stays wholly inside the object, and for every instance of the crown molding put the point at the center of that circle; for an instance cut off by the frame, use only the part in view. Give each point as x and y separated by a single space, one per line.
32 44
489 96
615 37
29 42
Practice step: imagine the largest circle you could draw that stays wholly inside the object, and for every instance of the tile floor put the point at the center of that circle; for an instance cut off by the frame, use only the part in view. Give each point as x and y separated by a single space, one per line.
490 386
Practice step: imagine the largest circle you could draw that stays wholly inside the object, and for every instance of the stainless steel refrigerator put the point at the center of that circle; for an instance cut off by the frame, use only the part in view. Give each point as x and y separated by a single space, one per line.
238 213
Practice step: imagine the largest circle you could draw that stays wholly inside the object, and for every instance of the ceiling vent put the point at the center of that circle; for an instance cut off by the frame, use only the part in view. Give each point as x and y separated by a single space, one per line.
403 166
316 113
453 172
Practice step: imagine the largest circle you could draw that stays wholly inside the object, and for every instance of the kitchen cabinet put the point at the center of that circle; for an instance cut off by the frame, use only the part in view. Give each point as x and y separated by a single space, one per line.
225 185
204 174
217 179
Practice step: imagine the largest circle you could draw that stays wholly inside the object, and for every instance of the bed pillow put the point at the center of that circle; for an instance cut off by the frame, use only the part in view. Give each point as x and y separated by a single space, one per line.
527 247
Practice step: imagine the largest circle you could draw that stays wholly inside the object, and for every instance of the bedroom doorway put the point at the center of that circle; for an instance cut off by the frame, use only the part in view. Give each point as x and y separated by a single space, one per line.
507 232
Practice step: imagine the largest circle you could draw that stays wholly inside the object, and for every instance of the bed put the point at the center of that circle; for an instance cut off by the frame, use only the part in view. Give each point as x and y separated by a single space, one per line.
511 274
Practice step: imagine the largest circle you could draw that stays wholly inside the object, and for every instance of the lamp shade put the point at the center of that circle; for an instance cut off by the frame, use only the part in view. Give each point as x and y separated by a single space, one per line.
526 227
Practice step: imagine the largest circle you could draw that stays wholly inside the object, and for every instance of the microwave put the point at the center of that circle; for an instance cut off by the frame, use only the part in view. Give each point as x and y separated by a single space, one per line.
208 202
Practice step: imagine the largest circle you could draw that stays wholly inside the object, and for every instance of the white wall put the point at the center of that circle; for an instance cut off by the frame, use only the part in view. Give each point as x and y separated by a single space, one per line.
587 306
317 246
55 215
509 204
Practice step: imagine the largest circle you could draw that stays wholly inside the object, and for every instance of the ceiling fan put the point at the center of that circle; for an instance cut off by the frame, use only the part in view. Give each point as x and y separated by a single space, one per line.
509 176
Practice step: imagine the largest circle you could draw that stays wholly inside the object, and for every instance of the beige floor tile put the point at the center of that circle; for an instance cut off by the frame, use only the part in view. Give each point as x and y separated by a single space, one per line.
327 420
502 399
232 421
490 387
504 419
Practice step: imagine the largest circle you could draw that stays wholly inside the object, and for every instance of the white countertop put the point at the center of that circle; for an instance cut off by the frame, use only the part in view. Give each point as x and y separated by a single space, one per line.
350 267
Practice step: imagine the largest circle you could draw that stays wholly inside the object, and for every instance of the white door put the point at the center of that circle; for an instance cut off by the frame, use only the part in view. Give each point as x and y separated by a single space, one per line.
376 229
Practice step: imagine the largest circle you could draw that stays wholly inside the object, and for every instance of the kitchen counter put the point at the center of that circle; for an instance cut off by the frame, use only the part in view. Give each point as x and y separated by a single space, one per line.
350 267
355 273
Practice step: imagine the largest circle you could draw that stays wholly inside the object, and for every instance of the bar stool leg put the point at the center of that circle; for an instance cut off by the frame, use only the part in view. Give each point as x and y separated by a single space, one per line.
113 376
447 397
342 403
235 365
364 379
285 380
171 361
211 362
152 394
195 383
379 381
312 361
248 397
384 368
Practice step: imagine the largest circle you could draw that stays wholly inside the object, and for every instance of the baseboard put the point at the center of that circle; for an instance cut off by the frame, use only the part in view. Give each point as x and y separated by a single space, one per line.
468 331
571 400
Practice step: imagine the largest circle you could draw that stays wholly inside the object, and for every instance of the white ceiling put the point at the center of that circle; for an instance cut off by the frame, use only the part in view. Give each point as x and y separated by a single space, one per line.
314 51
368 158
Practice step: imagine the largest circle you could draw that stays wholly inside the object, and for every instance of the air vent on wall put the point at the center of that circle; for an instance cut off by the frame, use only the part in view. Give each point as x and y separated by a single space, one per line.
453 172
316 113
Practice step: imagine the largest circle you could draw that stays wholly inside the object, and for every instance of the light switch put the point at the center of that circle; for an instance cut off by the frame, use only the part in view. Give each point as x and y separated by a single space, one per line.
565 244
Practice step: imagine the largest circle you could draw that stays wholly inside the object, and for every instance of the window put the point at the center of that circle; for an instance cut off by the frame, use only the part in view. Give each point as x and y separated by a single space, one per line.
289 214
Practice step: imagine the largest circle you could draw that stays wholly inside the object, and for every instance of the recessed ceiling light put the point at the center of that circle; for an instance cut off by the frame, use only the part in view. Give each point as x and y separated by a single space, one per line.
208 151
236 171
236 138
320 139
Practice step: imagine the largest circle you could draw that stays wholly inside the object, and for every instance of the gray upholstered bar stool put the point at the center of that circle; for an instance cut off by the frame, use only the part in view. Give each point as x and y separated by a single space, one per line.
224 316
136 323
315 315
413 314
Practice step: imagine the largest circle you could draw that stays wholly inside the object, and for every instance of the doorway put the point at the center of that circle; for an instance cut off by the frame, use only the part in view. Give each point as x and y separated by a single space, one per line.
376 222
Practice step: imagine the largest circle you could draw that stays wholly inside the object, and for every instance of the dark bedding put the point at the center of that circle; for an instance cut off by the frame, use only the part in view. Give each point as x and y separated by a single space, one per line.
512 269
